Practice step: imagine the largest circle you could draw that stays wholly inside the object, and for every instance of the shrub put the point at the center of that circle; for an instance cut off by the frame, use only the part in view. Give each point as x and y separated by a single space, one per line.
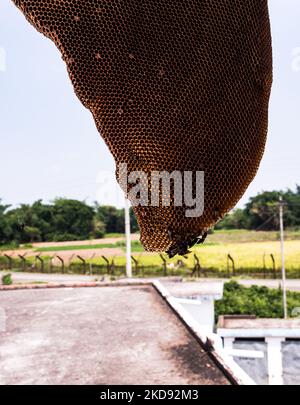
260 301
6 279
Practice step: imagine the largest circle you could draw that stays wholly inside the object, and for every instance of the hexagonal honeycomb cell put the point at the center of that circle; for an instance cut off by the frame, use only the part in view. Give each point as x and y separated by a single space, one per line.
172 85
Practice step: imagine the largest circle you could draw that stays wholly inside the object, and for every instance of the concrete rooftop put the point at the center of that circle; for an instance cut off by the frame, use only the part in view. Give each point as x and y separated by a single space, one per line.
99 335
213 288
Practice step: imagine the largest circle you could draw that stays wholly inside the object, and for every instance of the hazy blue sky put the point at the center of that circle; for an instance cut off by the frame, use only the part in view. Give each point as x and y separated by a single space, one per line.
49 145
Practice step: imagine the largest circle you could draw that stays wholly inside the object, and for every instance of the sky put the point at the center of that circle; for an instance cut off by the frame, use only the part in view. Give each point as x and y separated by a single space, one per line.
49 145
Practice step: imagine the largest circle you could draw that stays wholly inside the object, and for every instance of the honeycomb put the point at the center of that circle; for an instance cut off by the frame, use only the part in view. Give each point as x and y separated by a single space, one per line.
172 85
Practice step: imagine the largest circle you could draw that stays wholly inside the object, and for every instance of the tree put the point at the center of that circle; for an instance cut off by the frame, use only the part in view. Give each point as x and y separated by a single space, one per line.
33 233
18 219
5 230
72 218
43 214
31 222
112 217
237 219
262 211
98 228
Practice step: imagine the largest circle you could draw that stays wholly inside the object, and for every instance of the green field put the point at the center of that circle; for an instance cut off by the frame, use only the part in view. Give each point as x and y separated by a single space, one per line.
135 246
251 252
247 248
76 247
246 255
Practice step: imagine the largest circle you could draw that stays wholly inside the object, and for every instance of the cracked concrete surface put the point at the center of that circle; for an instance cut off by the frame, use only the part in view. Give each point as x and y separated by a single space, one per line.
104 335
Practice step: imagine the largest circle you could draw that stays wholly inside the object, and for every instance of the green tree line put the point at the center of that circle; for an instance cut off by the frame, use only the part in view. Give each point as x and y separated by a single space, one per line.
62 220
261 212
67 219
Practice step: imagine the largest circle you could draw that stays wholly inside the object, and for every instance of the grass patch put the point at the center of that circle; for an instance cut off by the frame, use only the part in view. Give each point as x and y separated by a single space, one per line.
135 246
245 236
37 282
75 247
10 246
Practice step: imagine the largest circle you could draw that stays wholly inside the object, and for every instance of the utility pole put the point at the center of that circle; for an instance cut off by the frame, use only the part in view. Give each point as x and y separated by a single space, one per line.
128 240
281 205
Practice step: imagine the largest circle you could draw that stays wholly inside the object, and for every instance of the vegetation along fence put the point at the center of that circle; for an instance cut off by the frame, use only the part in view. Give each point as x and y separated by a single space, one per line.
103 265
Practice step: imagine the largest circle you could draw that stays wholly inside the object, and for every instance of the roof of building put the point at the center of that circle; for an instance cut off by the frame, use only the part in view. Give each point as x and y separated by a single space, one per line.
213 289
109 335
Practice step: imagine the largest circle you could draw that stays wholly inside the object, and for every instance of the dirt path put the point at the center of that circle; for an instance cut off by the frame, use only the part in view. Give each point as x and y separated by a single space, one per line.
104 241
68 254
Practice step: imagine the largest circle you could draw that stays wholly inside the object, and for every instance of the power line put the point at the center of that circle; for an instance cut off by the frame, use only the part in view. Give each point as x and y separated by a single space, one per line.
266 222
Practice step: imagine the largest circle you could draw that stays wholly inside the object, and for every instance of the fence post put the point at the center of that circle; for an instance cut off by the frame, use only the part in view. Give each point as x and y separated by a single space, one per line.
62 264
51 263
136 265
91 264
110 266
10 261
41 260
264 264
107 264
84 263
70 261
197 266
274 265
165 271
230 260
23 259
